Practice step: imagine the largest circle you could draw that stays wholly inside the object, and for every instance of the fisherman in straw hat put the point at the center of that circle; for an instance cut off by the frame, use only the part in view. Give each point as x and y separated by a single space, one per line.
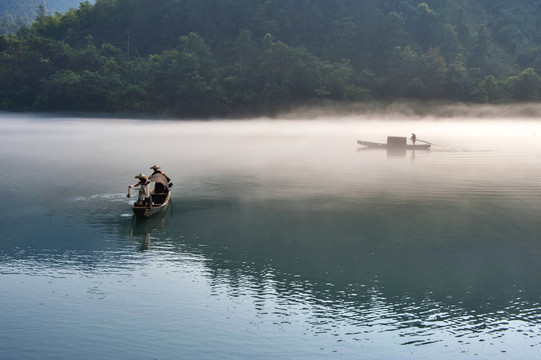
413 138
144 190
159 187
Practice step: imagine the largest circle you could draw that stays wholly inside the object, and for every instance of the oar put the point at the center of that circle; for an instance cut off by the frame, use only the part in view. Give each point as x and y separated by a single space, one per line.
443 147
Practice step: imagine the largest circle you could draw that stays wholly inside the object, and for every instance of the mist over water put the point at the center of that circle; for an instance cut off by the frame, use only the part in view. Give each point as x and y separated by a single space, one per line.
285 238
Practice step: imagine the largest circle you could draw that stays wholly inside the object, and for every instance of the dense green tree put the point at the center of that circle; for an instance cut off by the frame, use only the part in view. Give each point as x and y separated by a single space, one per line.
244 49
492 89
450 43
525 86
343 85
434 71
275 70
458 84
424 26
404 66
478 58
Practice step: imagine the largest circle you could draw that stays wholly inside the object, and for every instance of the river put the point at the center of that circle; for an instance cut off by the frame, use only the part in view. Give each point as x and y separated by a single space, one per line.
285 239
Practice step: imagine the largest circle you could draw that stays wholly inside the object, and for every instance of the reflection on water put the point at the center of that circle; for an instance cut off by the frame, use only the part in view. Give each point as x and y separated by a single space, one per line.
277 230
142 228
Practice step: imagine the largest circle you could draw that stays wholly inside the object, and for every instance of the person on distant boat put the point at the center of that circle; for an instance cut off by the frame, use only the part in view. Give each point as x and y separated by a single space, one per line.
413 138
145 196
160 188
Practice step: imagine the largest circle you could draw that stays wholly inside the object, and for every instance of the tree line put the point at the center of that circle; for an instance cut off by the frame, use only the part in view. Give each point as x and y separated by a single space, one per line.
190 58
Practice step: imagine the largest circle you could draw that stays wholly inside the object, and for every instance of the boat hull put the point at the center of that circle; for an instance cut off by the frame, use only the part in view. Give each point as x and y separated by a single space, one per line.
160 203
374 145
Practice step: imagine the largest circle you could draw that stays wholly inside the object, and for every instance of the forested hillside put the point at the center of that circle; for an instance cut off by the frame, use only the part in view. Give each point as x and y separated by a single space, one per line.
224 57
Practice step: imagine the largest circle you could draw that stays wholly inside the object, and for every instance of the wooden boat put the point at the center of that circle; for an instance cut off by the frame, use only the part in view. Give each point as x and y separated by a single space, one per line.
375 145
161 196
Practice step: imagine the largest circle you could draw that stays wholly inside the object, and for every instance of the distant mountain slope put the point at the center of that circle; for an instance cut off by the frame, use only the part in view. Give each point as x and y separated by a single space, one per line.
27 8
22 9
15 13
65 5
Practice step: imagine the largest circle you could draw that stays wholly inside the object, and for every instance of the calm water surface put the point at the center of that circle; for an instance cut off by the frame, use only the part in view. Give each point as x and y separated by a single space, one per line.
284 240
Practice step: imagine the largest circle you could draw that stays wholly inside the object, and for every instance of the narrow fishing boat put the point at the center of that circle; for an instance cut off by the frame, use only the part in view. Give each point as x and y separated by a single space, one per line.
395 142
375 145
160 196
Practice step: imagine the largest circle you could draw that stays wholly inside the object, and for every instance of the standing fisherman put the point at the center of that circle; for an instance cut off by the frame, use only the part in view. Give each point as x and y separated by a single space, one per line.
413 138
144 190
